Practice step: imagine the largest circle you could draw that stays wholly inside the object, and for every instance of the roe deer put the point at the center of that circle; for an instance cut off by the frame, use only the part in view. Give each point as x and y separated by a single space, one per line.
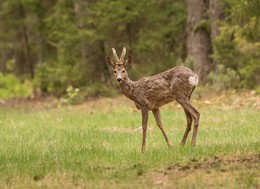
150 93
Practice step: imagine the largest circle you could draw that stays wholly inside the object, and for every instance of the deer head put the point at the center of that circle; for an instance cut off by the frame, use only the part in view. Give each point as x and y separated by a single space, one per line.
120 65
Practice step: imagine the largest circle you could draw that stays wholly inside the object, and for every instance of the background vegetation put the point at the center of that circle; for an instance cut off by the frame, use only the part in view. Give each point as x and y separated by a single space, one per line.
49 46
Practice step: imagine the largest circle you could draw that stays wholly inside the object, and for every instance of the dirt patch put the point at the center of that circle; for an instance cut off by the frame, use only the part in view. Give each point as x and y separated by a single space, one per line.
28 104
216 162
219 172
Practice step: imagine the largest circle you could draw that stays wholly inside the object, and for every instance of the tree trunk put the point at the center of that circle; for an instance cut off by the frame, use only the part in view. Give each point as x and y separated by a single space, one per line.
28 52
199 47
25 48
85 50
216 14
93 55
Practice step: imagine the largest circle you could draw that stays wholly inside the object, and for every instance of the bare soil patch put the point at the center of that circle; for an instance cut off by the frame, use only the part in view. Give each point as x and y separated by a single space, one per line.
236 171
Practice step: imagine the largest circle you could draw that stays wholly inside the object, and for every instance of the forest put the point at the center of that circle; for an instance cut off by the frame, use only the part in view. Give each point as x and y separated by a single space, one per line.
58 47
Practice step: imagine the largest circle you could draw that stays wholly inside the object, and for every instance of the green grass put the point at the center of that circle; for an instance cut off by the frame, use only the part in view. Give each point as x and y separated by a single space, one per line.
101 147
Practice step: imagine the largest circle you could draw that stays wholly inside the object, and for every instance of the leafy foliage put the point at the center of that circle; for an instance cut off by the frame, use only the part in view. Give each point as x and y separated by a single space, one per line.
71 96
224 78
237 48
61 43
11 87
53 78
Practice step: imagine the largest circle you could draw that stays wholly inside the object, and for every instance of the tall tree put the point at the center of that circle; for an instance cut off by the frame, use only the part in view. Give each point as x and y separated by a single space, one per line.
22 35
216 15
93 50
199 45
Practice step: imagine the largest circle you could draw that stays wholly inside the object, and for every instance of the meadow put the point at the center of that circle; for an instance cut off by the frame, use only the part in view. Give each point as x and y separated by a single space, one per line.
98 145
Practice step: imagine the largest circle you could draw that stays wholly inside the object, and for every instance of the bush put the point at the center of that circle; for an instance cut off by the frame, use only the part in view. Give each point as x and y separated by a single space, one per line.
52 78
72 97
224 78
12 87
75 96
237 52
99 89
55 77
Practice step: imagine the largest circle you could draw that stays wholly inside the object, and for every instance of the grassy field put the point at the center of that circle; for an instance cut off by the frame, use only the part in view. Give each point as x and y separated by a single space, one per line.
98 145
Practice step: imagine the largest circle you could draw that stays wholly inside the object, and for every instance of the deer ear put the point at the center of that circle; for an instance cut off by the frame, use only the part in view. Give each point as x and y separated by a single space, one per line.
110 62
128 61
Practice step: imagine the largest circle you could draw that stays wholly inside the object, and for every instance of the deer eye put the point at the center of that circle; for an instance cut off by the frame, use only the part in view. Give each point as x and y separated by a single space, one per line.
123 71
115 71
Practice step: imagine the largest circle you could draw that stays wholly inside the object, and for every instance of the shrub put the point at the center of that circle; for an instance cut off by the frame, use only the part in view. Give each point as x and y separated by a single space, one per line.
72 97
99 89
236 51
12 87
224 78
52 78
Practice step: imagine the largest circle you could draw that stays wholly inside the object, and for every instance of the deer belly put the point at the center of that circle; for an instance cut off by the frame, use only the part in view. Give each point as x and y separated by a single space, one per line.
159 99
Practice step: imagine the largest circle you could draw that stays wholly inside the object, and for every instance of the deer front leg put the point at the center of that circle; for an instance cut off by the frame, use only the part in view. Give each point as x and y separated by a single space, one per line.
144 126
157 117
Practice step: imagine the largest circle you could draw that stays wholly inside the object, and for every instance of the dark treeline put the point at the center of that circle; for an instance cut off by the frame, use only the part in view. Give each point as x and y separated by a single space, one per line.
48 46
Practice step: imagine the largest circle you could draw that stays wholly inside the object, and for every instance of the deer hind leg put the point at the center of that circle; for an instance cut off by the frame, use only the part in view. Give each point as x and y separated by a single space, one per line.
194 114
188 128
157 116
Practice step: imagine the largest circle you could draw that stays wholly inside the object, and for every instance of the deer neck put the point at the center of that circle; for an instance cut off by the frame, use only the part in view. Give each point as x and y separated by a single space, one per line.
127 88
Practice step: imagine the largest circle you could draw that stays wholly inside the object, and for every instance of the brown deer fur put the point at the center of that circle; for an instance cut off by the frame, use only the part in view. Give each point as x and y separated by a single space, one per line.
150 93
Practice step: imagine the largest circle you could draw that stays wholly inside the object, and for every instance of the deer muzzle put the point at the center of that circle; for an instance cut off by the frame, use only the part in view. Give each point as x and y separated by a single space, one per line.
119 79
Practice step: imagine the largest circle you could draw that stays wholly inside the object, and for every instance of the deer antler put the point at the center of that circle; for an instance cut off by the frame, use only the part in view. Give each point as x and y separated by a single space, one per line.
115 55
123 54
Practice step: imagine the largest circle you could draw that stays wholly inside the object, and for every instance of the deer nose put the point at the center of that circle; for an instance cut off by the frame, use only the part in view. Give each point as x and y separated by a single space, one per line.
119 79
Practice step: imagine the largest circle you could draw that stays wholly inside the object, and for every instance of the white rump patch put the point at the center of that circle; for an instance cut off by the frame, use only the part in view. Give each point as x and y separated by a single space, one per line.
193 80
